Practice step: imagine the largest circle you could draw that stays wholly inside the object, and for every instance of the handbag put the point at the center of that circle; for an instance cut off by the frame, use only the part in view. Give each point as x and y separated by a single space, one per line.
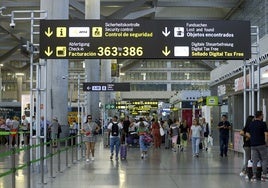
162 132
184 136
147 139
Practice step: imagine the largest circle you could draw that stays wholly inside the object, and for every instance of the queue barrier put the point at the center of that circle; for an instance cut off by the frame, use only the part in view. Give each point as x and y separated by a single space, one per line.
11 153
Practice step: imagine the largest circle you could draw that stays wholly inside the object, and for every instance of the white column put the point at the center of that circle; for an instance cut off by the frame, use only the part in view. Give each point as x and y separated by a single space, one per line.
92 67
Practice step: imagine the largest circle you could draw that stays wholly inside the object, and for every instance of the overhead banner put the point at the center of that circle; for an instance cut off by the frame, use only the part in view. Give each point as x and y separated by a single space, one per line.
146 39
102 86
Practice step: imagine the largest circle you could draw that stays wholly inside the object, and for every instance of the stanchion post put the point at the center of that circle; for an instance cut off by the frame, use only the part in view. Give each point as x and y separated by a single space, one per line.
42 161
51 160
66 150
58 148
28 154
72 146
13 163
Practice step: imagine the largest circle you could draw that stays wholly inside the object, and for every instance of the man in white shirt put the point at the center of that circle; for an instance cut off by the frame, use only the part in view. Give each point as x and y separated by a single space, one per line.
114 129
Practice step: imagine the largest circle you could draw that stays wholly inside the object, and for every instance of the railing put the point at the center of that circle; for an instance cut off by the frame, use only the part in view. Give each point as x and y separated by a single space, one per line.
64 145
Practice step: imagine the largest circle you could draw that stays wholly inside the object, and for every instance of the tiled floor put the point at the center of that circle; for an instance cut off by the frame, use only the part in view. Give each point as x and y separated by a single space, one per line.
162 169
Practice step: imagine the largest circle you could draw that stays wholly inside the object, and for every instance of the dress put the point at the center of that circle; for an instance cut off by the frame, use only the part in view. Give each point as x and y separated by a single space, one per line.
156 134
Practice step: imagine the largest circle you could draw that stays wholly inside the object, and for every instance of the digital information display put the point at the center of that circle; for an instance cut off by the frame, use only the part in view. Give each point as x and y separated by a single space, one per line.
102 86
147 39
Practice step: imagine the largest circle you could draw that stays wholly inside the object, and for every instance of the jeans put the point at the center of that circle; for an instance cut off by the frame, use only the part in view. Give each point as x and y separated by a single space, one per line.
224 144
115 141
143 146
195 145
259 153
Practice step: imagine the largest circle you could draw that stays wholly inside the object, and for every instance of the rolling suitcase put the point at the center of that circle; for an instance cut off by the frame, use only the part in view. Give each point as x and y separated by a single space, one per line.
123 151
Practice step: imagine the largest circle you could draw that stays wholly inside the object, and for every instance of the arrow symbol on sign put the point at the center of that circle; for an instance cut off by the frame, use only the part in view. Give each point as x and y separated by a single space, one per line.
48 32
166 52
166 32
48 52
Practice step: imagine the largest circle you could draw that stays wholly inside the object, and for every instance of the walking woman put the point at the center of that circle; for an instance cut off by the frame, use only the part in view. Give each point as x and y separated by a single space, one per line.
246 145
156 133
142 131
195 134
184 131
90 130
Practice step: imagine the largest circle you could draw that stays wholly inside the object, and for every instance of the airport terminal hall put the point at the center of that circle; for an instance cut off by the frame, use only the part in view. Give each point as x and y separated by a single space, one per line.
133 93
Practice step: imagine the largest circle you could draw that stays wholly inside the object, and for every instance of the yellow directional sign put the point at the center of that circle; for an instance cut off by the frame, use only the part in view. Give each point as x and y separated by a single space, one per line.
49 32
166 52
61 51
61 32
142 39
48 52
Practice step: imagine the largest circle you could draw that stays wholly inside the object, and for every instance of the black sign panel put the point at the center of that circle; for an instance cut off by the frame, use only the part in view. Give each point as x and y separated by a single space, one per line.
161 39
101 86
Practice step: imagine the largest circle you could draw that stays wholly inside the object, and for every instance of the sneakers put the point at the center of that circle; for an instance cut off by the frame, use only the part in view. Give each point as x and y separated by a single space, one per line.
87 160
92 158
265 176
254 179
142 156
111 157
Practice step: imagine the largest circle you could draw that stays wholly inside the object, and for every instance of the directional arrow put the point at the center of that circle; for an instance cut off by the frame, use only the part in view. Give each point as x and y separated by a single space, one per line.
48 52
166 32
166 52
48 32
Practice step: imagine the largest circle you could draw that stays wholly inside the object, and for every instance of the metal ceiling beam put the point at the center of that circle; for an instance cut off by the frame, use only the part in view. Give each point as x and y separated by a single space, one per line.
77 6
9 53
199 4
209 64
139 14
13 4
181 3
124 11
232 11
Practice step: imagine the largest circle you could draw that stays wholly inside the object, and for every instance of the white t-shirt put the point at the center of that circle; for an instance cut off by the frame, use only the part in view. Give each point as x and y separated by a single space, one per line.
119 126
196 131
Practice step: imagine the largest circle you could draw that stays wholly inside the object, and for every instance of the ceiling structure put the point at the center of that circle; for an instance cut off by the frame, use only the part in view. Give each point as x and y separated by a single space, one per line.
10 38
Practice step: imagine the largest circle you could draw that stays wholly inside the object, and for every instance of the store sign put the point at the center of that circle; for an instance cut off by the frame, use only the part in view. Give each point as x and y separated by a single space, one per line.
161 39
212 101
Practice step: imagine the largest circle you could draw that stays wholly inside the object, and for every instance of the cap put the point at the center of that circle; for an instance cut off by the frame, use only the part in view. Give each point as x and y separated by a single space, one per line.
55 118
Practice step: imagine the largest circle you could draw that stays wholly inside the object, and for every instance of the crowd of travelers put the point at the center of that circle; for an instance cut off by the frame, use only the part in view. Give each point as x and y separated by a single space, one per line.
16 131
154 133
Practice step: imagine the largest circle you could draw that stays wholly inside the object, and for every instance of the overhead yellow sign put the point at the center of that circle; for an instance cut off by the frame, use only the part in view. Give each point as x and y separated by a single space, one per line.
162 39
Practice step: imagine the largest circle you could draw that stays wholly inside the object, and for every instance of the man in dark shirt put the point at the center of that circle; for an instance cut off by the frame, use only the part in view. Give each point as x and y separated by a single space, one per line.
258 135
224 126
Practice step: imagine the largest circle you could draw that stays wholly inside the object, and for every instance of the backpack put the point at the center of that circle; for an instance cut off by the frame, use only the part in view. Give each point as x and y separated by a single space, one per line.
207 131
115 129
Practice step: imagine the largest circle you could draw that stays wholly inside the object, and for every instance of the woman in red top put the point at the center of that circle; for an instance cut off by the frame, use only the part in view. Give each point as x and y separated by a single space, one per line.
156 133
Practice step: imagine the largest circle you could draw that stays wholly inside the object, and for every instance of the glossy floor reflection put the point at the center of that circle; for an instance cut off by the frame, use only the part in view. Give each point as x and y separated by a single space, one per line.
162 168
